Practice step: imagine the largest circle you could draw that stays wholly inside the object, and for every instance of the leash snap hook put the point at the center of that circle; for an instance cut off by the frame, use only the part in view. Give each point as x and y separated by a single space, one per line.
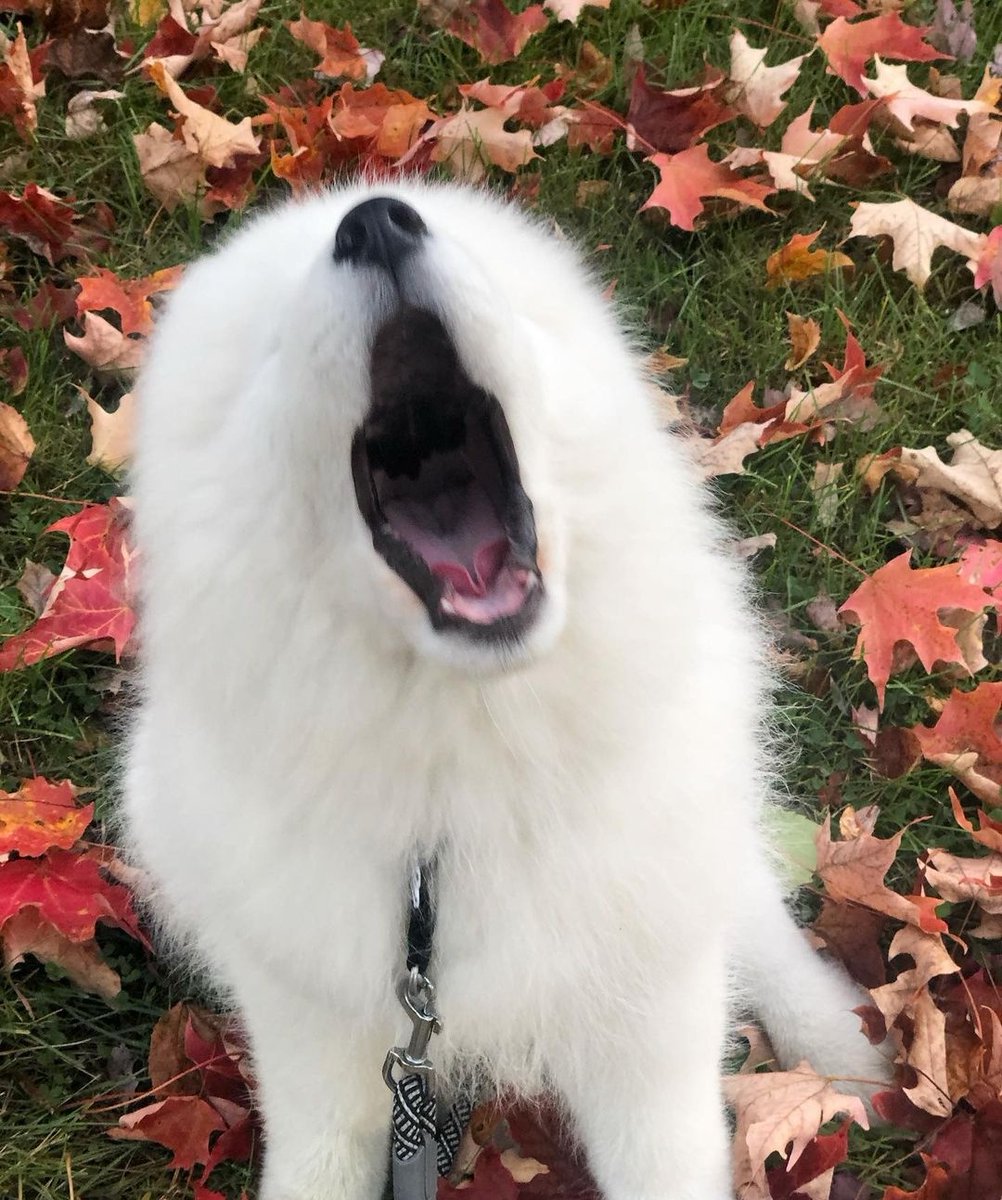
417 997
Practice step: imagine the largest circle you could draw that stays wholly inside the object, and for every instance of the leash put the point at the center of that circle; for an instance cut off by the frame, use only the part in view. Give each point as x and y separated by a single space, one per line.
423 1146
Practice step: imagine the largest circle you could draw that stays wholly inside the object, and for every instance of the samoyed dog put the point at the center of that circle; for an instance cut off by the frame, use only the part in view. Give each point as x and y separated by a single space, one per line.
423 581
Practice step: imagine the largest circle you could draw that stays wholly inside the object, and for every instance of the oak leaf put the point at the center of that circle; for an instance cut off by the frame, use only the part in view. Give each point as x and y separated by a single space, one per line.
129 298
781 1112
966 742
689 177
90 602
16 447
899 603
39 816
755 90
341 55
493 30
916 233
849 47
796 261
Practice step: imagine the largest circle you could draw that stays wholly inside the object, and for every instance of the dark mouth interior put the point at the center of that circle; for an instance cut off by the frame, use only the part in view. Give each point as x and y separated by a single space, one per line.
437 481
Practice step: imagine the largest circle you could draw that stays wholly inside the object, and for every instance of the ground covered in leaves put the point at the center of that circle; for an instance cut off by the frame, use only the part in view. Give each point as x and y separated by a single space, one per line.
798 205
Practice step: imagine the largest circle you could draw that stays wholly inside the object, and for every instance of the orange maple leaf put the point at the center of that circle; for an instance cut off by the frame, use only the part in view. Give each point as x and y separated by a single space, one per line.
965 741
849 47
127 297
687 178
899 603
40 815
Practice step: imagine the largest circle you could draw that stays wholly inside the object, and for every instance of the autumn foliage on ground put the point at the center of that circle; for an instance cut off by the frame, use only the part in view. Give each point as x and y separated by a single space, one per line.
801 201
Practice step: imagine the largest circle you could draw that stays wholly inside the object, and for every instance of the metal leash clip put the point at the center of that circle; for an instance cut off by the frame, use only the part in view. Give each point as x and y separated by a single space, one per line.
417 995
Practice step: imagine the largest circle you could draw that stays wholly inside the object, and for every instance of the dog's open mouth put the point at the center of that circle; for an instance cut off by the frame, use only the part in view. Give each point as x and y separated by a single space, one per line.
437 482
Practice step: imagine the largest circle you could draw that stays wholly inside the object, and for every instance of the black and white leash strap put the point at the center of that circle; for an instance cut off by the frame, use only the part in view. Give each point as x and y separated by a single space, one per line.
423 1145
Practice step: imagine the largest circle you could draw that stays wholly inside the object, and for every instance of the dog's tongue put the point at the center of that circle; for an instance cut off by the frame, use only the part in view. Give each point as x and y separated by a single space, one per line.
458 535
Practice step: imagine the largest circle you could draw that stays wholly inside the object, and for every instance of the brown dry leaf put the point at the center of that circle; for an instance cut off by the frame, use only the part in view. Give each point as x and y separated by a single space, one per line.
726 455
469 141
216 141
973 476
173 173
754 88
83 117
104 347
34 586
927 1057
916 233
805 338
956 878
776 1108
931 960
853 871
19 90
824 488
16 447
110 432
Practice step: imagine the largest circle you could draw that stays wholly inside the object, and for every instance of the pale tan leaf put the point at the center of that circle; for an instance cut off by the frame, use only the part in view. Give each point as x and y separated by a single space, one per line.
916 233
16 447
755 89
105 347
110 432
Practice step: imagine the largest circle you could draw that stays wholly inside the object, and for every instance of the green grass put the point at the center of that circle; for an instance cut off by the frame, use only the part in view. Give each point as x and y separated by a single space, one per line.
701 295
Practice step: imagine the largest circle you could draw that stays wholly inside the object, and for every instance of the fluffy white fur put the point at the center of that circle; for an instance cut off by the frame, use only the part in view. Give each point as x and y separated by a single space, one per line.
593 799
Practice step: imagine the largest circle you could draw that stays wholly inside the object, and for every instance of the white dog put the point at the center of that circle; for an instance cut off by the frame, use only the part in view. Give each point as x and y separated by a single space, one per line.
423 580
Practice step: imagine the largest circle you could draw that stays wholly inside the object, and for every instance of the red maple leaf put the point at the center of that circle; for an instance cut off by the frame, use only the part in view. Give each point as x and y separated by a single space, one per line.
41 220
671 121
41 815
822 1153
70 893
495 32
89 603
127 297
982 564
849 47
690 177
49 306
184 1124
899 603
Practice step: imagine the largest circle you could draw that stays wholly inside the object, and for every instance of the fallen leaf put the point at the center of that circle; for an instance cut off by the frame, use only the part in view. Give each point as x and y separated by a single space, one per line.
957 878
471 140
671 121
21 82
824 489
83 116
689 177
129 298
899 603
570 10
39 816
966 742
927 1057
341 55
805 338
973 476
35 585
172 172
40 219
916 233
982 564
853 871
111 433
755 90
952 31
781 1112
16 447
726 455
228 37
90 602
496 33
989 831
931 960
104 347
184 1124
905 101
796 261
849 47
216 141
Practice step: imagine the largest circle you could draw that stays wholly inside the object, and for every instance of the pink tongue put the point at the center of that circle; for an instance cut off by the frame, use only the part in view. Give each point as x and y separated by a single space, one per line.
487 564
471 555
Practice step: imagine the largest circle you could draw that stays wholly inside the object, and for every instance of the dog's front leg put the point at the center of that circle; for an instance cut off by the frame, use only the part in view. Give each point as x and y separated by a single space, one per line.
642 1085
325 1107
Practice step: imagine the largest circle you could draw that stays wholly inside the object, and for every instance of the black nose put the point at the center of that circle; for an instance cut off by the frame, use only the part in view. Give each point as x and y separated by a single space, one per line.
378 233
